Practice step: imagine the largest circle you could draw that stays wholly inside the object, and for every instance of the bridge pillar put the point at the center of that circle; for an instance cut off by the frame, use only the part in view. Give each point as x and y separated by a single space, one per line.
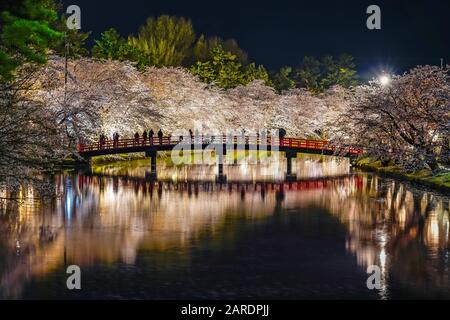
89 161
220 152
86 165
152 174
290 176
353 161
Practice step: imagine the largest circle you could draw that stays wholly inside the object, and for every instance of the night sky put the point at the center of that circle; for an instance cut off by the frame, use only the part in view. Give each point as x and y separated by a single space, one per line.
280 32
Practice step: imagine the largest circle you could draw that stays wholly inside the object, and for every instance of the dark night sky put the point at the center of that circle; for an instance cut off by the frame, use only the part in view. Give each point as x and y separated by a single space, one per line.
281 32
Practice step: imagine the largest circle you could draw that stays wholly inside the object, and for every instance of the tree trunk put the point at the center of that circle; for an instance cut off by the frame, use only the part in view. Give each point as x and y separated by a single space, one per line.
433 164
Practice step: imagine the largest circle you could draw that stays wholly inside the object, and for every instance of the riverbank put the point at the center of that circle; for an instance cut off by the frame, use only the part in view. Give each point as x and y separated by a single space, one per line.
439 181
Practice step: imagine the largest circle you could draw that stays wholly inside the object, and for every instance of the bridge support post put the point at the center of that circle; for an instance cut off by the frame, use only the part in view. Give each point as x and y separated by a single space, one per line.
152 174
290 176
353 161
220 152
86 165
89 162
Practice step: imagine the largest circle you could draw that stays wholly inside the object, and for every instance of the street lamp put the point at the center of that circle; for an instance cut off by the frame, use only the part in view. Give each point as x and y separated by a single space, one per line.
384 80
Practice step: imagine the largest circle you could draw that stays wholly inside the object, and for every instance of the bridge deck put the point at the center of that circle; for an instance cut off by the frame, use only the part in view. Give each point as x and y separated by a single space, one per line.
248 143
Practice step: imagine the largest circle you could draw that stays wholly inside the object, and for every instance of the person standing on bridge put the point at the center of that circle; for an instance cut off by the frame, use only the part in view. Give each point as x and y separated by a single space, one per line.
116 139
160 136
144 137
102 141
150 135
136 138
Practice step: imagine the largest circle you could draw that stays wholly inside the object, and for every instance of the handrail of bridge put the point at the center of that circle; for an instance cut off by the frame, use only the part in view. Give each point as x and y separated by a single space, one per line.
249 140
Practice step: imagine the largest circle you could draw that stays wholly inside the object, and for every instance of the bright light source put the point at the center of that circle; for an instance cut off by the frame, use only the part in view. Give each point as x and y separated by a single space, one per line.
384 80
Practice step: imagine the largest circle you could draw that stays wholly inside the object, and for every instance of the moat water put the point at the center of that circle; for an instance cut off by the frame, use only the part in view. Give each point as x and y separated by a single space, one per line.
254 237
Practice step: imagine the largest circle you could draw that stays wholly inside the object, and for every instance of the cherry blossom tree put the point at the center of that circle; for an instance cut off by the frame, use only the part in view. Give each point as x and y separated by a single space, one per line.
29 139
407 121
100 97
111 96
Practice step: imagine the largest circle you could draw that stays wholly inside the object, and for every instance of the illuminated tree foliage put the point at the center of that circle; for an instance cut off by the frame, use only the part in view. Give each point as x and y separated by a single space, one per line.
100 96
29 135
407 121
111 96
203 47
318 75
283 80
165 41
113 47
25 33
226 72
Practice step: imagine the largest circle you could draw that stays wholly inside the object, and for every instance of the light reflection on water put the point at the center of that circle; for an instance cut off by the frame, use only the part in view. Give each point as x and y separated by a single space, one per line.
309 166
104 222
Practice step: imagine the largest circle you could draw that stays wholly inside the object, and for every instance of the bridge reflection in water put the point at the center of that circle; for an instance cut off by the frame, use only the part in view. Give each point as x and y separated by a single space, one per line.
306 167
109 221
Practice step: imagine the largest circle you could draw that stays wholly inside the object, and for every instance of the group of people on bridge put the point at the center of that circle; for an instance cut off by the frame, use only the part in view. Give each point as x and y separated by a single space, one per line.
137 137
148 136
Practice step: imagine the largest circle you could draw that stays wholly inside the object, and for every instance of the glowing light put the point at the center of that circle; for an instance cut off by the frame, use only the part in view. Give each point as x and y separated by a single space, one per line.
383 258
384 80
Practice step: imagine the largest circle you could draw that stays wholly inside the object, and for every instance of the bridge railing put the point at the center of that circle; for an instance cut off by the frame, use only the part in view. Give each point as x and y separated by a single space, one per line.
318 145
125 143
247 140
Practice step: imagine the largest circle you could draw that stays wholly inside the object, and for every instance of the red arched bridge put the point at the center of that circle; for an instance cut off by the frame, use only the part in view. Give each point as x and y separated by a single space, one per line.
221 144
251 143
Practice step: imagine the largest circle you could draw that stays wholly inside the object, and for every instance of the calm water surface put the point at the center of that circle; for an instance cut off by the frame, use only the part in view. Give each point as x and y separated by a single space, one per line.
255 237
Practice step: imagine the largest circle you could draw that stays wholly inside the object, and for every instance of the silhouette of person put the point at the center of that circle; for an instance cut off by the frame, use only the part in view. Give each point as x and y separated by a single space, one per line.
102 140
114 140
150 135
160 136
144 137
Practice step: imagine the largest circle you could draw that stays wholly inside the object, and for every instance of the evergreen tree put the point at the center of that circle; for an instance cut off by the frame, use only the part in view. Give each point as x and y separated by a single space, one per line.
252 72
319 75
309 74
341 71
223 70
75 38
165 41
25 33
226 72
283 79
203 46
112 46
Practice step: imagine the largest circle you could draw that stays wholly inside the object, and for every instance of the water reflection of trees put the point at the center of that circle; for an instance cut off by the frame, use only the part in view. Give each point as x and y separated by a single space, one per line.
108 219
404 231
